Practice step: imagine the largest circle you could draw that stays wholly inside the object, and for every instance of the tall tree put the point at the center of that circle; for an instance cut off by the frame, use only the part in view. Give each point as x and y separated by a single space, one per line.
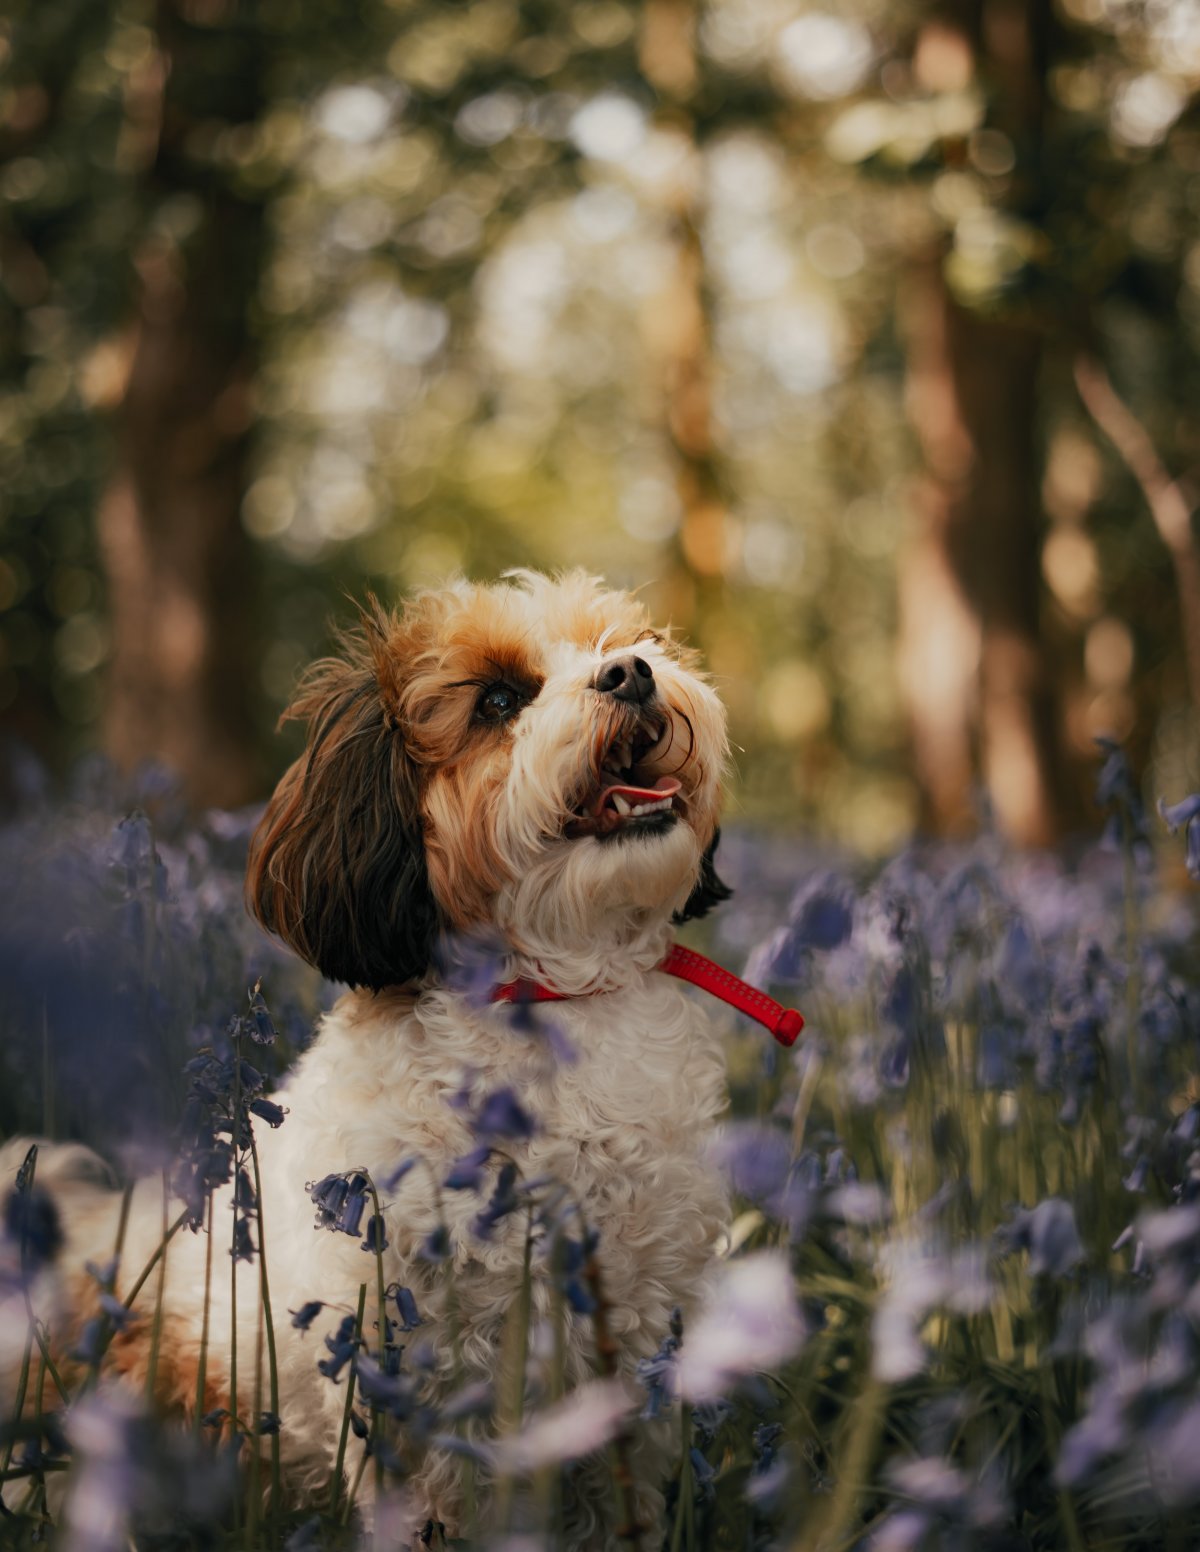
978 671
180 567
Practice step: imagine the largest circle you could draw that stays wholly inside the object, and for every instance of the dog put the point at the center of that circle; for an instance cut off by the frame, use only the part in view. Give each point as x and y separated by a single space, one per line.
532 762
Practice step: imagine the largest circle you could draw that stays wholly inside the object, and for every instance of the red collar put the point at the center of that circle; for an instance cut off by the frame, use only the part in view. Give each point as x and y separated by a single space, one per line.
784 1023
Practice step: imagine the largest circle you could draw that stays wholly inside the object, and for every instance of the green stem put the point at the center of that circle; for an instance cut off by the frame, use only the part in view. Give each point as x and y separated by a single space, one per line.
144 1275
235 1138
202 1366
348 1506
338 1470
157 1324
269 1322
377 1420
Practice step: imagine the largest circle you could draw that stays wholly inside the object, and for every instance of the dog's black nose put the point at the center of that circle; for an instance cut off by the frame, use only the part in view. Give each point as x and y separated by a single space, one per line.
628 678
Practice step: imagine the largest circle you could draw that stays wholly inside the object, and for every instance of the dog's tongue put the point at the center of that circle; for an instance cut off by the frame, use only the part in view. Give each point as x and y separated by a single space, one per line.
664 787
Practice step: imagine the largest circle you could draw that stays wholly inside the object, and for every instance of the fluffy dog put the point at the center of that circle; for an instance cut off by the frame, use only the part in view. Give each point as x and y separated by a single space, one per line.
533 760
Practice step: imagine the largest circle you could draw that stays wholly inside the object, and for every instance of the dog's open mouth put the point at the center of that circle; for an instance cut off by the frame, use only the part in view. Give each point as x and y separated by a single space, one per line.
630 793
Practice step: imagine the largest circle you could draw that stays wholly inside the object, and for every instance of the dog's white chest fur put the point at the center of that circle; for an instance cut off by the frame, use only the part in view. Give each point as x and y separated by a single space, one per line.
623 1126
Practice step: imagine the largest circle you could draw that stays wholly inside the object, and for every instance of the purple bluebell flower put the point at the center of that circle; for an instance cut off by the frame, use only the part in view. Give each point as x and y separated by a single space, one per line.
473 964
1185 815
584 1421
258 1023
31 1224
757 1159
375 1239
93 1340
501 1115
570 1261
243 1248
503 1201
267 1110
919 1280
392 1178
340 1200
703 1477
395 1394
749 1321
1050 1235
303 1318
342 1345
119 1315
406 1304
466 1173
656 1374
436 1244
307 1537
474 1400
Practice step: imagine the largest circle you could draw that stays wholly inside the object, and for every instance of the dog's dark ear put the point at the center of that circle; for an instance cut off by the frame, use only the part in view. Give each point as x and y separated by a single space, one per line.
337 863
709 890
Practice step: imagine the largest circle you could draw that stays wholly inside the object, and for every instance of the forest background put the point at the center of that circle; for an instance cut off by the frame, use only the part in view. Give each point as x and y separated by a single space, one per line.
863 337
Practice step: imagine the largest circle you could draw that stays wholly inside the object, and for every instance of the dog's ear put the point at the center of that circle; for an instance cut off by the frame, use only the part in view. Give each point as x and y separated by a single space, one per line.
337 862
709 891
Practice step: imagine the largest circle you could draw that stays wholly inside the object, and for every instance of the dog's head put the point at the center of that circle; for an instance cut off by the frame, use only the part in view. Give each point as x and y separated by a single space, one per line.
530 757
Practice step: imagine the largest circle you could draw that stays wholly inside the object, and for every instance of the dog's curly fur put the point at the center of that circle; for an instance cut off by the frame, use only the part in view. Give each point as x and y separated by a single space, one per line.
454 759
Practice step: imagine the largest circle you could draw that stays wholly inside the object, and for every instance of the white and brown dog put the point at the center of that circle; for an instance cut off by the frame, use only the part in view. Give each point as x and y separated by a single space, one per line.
532 759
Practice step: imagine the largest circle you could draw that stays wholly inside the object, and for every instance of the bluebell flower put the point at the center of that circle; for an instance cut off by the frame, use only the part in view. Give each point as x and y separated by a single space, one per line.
436 1245
329 1195
342 1345
1185 815
466 1173
656 1374
303 1318
393 1177
307 1537
31 1224
268 1423
1049 1233
93 1340
501 1115
473 964
376 1235
569 1262
119 1315
268 1111
503 1201
757 1159
258 1023
703 1478
709 1417
243 1245
474 1400
406 1304
340 1200
395 1394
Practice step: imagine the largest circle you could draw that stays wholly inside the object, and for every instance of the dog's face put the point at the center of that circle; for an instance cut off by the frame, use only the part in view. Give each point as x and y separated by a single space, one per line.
531 757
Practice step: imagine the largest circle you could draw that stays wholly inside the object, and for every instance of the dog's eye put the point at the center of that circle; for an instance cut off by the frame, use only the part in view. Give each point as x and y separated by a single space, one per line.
498 703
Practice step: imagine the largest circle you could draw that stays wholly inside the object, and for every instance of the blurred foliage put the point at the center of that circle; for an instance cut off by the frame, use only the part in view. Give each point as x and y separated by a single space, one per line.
471 217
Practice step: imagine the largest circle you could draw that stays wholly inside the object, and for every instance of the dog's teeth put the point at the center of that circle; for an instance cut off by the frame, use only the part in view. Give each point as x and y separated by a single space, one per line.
640 808
621 804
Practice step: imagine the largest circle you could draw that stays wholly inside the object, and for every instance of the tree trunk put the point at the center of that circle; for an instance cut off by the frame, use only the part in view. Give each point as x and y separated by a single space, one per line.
677 329
978 678
980 688
180 568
